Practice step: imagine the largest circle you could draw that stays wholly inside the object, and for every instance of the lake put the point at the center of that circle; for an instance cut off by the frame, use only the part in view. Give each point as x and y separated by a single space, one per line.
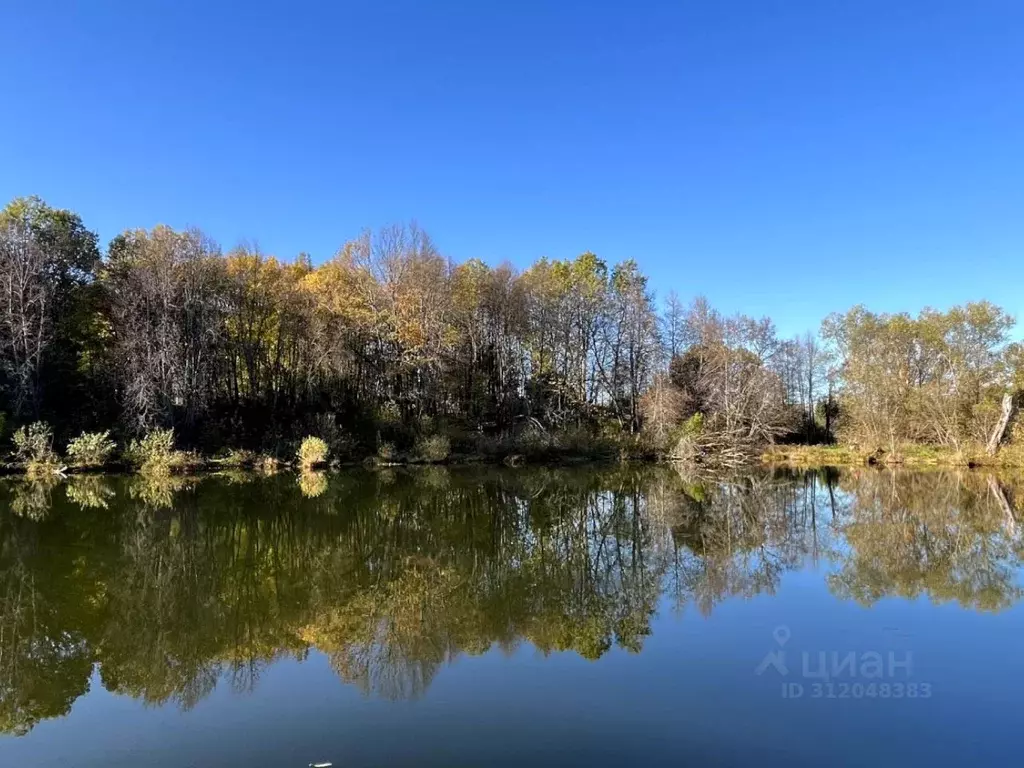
598 616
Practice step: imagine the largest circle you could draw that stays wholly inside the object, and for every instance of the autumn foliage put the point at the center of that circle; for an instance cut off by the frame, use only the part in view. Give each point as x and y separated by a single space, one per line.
390 348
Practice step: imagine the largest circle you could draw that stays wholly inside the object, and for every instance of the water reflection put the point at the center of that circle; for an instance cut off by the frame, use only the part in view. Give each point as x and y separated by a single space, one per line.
170 585
950 536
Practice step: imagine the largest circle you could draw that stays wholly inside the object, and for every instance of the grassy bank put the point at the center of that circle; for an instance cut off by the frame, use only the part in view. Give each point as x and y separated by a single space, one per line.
158 453
269 465
910 455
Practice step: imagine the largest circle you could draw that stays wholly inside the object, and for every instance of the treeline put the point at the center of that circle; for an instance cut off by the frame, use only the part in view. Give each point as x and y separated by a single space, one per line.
384 340
389 342
937 378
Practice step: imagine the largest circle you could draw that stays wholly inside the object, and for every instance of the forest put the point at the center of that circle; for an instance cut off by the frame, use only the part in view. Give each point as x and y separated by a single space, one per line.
390 349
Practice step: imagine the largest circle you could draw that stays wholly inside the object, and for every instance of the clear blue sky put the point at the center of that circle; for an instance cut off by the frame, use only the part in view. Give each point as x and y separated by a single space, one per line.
779 156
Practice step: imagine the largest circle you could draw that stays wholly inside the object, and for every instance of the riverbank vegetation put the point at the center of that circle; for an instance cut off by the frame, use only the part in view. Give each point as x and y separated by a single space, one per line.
906 454
162 351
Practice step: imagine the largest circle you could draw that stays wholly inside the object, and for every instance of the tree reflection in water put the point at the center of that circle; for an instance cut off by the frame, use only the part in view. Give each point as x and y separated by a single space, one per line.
171 585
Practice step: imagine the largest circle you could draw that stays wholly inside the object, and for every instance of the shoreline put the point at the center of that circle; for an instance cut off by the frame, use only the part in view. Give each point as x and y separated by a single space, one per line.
910 455
777 456
214 467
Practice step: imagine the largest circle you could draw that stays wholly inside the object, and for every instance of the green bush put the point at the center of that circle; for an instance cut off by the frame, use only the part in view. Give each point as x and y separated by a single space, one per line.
33 446
694 426
312 452
155 452
434 449
91 449
386 452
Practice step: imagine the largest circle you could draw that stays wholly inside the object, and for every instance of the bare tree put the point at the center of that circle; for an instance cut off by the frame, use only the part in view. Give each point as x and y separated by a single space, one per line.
672 325
25 323
662 406
167 299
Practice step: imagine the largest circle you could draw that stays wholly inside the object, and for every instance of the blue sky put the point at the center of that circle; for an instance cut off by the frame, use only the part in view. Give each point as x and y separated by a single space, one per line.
781 157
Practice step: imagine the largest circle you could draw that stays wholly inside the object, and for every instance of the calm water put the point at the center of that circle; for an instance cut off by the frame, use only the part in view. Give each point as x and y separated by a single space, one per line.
590 617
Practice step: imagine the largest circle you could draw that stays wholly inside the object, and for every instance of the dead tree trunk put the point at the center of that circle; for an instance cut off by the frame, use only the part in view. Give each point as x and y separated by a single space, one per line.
1000 430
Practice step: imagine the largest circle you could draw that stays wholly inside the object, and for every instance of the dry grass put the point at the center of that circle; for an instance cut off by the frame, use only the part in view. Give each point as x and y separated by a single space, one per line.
908 454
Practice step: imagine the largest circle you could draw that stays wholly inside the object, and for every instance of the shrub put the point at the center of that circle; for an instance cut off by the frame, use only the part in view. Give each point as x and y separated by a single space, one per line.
577 441
686 438
434 448
155 452
391 427
386 452
533 443
530 444
694 426
312 452
91 449
33 446
340 444
237 457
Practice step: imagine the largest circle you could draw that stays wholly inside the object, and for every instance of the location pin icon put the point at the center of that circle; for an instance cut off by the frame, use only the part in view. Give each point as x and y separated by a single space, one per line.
781 634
